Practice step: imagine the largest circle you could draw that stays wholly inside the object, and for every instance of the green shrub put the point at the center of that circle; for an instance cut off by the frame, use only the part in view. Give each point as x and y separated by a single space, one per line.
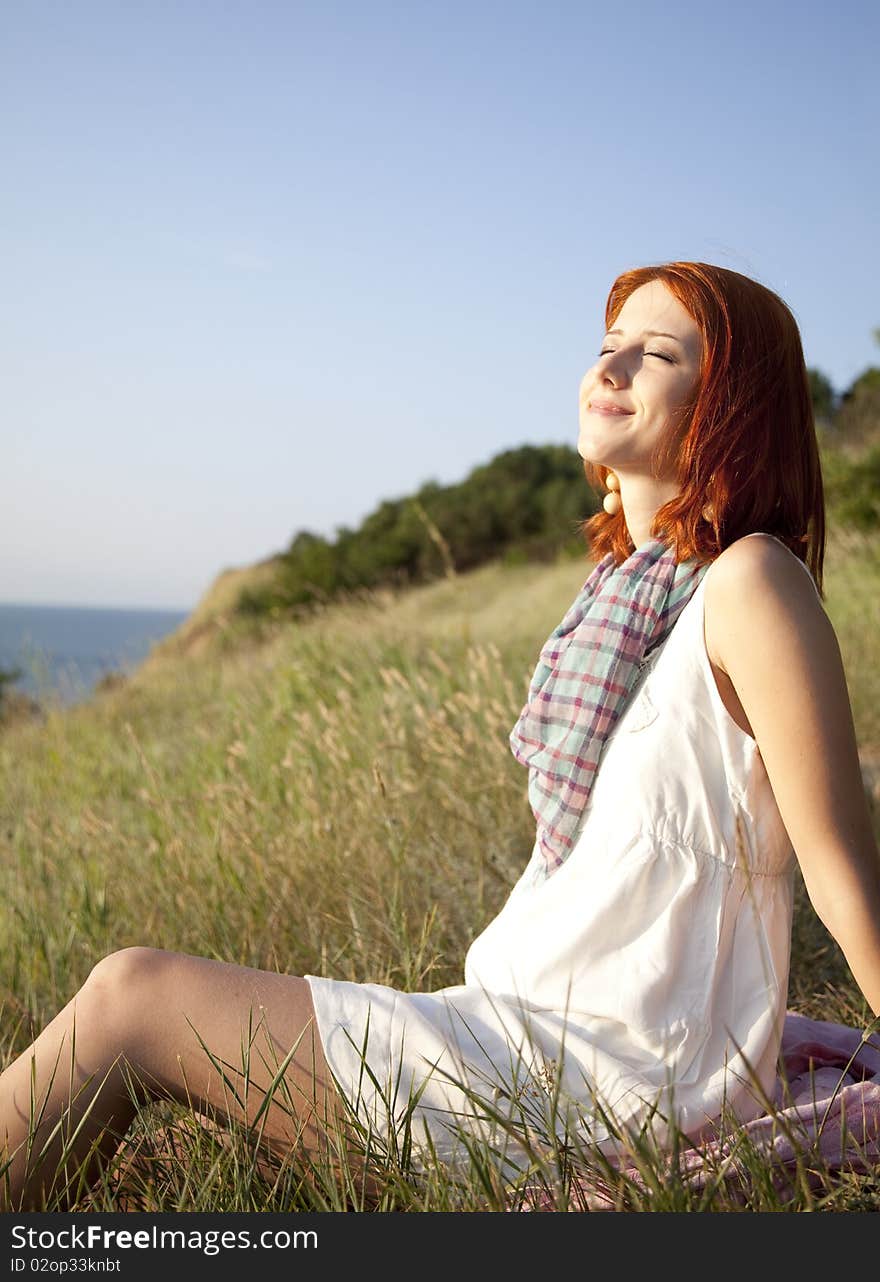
527 503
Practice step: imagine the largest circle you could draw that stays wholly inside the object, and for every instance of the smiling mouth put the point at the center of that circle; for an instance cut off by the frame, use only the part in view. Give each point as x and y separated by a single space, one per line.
608 409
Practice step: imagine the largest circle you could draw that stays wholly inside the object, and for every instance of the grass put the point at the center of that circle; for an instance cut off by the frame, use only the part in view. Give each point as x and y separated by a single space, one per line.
335 797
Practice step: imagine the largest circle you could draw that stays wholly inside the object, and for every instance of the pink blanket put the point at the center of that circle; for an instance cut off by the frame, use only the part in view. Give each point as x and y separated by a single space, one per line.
826 1114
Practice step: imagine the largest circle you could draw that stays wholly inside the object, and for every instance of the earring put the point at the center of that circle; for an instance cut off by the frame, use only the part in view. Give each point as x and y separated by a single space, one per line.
612 502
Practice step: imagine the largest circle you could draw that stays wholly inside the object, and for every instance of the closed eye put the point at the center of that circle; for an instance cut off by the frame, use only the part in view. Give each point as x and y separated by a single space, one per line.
660 355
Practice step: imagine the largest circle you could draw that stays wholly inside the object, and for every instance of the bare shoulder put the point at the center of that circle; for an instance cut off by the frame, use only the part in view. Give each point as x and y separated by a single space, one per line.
757 581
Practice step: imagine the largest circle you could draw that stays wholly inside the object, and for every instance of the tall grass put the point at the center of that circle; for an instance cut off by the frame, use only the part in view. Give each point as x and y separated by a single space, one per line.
335 797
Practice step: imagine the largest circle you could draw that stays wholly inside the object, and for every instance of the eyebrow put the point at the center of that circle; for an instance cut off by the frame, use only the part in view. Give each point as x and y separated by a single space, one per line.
651 333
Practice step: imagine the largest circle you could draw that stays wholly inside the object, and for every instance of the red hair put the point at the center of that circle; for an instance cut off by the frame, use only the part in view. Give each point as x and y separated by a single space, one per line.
748 445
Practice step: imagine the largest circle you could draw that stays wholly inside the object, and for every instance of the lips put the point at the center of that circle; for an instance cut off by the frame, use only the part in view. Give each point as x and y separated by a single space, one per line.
606 407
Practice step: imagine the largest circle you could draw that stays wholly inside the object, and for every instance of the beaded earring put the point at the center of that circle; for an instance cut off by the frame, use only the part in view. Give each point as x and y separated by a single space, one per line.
612 501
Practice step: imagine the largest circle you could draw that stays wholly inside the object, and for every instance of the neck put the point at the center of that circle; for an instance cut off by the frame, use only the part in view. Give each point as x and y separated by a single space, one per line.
641 498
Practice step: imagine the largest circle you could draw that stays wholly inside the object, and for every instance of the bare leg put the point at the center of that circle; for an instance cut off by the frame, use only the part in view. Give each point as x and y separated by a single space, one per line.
152 1014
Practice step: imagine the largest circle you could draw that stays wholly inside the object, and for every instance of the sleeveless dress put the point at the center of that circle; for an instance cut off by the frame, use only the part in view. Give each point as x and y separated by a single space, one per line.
644 981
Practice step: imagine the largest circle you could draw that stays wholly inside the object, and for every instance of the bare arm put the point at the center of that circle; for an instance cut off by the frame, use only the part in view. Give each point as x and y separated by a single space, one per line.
776 643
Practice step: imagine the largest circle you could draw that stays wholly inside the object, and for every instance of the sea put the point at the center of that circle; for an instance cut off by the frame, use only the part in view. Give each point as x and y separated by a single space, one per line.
62 651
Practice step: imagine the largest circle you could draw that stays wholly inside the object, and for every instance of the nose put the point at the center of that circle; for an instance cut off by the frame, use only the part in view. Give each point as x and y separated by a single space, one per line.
612 368
609 370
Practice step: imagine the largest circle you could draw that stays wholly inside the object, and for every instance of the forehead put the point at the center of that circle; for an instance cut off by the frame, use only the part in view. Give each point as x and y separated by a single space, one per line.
653 307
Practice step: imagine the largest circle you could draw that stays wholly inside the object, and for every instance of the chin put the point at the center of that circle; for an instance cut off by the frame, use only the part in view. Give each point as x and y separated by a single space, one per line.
590 454
584 450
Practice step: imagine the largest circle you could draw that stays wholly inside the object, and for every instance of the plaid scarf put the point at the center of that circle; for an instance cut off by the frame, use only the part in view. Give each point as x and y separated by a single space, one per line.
588 668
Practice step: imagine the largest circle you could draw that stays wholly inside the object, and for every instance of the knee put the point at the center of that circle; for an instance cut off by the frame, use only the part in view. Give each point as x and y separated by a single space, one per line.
119 983
117 972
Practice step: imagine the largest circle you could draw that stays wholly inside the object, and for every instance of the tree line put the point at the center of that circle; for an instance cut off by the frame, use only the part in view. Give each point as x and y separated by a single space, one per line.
528 503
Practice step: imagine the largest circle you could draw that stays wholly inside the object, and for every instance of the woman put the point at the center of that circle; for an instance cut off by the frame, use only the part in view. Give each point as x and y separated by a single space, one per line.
641 961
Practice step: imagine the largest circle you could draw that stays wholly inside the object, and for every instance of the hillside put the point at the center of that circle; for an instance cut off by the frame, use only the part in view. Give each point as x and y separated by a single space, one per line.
330 795
216 609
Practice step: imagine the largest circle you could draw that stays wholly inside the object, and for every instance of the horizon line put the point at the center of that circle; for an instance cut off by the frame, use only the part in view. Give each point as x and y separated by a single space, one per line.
88 605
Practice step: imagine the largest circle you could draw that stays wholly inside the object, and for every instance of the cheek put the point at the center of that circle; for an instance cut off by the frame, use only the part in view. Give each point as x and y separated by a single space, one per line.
661 403
591 380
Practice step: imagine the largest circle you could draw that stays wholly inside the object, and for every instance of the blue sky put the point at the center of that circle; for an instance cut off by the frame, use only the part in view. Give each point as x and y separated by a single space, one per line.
266 264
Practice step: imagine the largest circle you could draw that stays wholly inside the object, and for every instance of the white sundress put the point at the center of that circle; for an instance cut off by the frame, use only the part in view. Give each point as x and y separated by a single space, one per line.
647 976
